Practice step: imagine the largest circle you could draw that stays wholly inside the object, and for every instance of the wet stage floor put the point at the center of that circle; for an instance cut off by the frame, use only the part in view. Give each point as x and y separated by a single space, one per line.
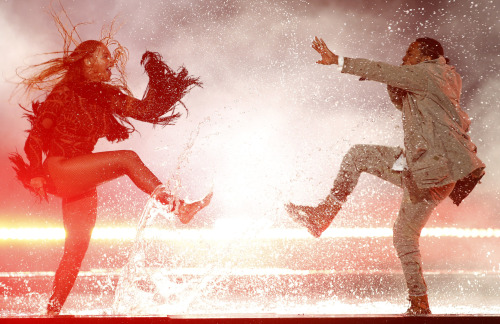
312 294
273 280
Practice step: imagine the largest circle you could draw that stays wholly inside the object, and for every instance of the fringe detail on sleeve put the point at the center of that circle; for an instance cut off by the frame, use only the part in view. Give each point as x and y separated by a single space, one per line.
32 116
166 88
22 169
24 174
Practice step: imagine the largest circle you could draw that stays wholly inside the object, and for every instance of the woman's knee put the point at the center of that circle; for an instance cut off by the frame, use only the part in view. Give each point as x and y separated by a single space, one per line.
128 159
127 155
120 162
77 243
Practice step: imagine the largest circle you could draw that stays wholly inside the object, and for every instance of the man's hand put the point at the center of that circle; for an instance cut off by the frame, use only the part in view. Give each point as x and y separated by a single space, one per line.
327 56
38 185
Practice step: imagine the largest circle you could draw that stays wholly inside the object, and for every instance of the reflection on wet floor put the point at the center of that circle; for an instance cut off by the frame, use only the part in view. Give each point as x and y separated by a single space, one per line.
256 269
271 293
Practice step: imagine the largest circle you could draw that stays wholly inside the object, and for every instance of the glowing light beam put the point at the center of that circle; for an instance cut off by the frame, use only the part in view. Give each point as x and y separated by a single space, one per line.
129 233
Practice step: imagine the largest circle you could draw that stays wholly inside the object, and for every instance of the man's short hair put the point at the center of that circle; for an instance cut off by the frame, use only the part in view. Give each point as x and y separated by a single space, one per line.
430 47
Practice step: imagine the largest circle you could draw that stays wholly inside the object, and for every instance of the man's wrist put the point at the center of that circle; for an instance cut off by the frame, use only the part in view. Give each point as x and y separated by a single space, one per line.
340 62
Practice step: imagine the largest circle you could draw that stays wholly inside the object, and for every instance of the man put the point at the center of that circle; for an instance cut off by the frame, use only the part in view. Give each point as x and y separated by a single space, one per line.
438 161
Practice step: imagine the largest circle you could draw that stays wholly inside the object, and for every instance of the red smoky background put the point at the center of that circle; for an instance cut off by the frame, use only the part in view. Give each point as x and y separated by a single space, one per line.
269 125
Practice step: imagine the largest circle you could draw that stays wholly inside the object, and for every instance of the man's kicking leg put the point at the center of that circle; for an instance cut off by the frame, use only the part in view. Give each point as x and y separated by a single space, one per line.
374 159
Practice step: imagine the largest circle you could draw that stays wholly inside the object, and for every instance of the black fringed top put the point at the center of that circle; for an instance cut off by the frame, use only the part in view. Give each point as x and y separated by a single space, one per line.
75 115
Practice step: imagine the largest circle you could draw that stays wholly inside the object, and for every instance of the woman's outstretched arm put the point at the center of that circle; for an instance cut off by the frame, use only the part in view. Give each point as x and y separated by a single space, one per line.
165 90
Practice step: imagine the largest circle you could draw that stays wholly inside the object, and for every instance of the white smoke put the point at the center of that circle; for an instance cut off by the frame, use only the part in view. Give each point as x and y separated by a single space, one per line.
278 124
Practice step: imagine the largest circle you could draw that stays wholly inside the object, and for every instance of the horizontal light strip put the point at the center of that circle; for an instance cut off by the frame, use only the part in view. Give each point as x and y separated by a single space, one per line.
244 272
129 233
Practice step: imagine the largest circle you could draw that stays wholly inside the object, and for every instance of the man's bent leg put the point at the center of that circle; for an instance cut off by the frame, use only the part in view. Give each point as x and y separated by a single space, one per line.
374 159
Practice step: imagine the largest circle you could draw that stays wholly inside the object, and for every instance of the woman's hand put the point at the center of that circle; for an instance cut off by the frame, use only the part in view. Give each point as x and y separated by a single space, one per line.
38 185
327 56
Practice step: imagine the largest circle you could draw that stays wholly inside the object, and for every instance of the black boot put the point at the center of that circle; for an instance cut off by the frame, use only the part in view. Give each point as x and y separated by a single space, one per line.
315 219
419 305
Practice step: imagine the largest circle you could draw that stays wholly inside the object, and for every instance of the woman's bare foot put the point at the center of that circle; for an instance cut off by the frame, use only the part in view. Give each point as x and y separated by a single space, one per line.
186 211
53 308
52 313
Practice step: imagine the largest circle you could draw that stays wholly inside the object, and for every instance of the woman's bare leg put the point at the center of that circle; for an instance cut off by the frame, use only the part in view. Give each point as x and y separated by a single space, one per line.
79 216
77 175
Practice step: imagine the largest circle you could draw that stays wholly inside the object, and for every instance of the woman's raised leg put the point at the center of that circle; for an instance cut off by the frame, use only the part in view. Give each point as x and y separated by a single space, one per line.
75 176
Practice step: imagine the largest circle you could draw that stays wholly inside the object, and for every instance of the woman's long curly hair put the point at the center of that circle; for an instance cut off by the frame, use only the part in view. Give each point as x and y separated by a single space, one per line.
163 94
68 67
44 76
39 79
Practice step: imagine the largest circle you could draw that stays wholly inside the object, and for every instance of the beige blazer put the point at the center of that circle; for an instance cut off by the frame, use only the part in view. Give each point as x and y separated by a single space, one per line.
438 149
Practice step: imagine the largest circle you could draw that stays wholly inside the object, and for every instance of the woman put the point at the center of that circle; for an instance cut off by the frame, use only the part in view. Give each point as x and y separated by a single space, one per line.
80 108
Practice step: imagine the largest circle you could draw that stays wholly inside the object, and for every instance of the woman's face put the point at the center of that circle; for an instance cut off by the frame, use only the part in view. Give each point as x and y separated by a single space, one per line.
98 65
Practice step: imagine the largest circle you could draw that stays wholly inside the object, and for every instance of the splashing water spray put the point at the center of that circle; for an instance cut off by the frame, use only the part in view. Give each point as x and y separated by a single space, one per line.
151 281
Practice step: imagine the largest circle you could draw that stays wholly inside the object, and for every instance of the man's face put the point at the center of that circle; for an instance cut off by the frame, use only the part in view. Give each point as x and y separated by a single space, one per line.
413 55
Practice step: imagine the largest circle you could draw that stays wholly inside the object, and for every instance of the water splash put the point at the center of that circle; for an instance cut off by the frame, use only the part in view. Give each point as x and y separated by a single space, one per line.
166 277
